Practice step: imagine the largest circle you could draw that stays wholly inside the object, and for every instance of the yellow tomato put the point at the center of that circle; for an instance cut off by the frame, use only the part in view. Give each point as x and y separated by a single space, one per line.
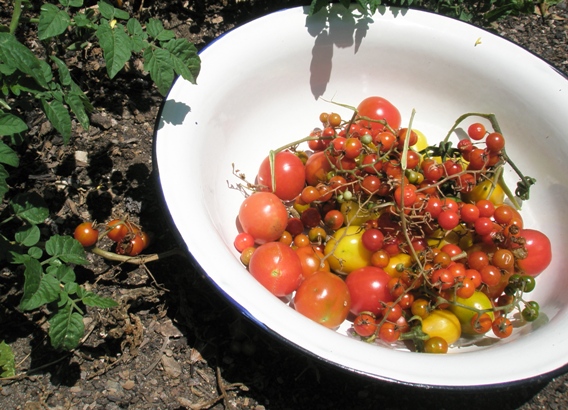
346 251
478 301
442 323
421 143
482 190
355 215
402 259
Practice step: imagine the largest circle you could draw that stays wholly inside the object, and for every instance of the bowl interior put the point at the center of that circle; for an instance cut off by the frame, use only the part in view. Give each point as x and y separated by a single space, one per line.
264 85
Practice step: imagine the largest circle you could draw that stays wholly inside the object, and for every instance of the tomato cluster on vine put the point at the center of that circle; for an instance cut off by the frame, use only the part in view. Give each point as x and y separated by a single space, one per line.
407 241
129 238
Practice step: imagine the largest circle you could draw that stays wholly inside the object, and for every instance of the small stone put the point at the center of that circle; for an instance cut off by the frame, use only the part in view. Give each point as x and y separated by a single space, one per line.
128 385
81 158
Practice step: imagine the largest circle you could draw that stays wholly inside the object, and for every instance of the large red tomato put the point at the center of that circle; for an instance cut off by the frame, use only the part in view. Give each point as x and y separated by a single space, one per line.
264 216
289 175
324 298
539 252
277 267
378 108
368 289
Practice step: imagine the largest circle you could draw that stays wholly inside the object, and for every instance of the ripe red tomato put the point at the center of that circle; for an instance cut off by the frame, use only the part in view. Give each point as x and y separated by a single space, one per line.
86 234
277 267
118 229
317 167
264 216
539 252
312 260
288 172
378 108
368 287
324 298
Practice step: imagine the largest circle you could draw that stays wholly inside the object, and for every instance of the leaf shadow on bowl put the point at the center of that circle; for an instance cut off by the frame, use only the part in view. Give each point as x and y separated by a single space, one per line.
335 26
174 113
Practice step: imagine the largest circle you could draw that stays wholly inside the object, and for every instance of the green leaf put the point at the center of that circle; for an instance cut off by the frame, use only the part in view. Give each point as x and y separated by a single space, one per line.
91 299
185 59
27 235
52 21
30 207
79 104
64 74
39 289
10 124
63 273
71 288
156 30
15 54
67 249
109 12
59 116
8 156
7 363
137 35
66 328
3 183
159 64
35 252
116 46
82 20
71 3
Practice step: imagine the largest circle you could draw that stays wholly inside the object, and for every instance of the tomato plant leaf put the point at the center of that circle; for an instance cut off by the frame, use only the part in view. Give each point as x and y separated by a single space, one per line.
30 207
159 64
79 104
27 235
59 116
10 124
39 288
3 184
66 328
7 362
8 156
52 21
138 35
63 273
35 252
91 299
156 30
317 5
67 249
116 46
63 70
71 3
186 61
109 12
15 54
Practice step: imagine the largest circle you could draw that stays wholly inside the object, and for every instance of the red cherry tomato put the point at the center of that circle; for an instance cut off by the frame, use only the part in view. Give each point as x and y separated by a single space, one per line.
317 167
264 216
289 175
539 252
277 267
324 298
86 234
368 287
378 108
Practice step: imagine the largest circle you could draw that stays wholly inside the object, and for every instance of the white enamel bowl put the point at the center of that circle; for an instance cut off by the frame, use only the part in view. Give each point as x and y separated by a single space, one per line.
259 88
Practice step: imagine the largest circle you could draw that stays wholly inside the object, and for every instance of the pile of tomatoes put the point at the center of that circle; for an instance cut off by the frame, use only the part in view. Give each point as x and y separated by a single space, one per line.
130 239
408 242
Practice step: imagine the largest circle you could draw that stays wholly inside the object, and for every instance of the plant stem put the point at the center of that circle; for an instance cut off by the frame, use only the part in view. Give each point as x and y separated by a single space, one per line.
136 260
16 16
